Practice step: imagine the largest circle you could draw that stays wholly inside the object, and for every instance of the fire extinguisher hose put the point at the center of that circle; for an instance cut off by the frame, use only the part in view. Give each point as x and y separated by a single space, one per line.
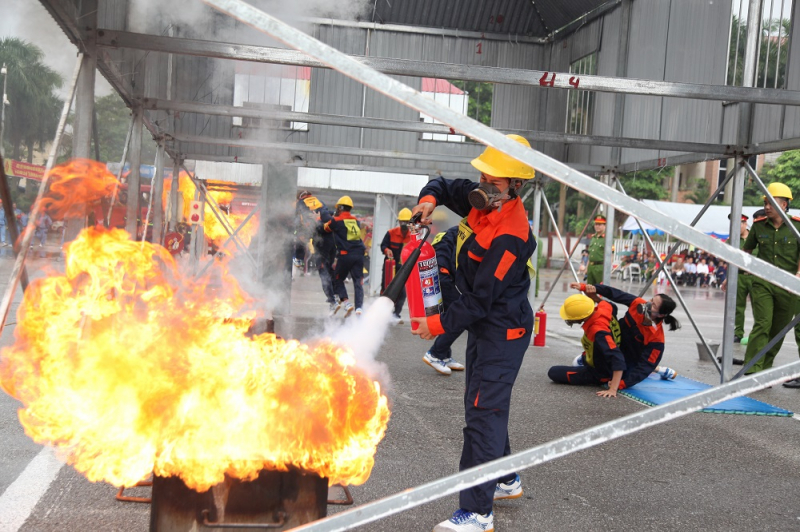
395 288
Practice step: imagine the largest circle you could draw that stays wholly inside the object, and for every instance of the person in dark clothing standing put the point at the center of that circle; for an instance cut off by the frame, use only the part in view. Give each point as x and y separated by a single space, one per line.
493 247
392 247
349 254
324 255
642 331
440 355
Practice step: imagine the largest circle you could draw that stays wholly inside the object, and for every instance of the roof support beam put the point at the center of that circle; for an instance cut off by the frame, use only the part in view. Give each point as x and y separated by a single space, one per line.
424 158
404 67
336 150
423 127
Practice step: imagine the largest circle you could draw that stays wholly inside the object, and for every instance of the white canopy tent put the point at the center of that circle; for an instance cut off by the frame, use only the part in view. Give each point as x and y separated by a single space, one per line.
714 221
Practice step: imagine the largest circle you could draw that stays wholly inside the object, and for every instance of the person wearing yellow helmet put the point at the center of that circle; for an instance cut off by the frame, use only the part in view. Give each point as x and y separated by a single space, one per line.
601 361
773 307
349 255
493 245
392 246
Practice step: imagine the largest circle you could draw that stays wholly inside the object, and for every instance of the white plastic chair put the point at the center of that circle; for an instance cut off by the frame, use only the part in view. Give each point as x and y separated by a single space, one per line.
635 272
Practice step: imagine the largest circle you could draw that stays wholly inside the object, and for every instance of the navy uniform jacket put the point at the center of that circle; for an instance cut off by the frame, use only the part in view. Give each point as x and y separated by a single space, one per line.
601 339
642 345
346 232
491 269
323 241
444 244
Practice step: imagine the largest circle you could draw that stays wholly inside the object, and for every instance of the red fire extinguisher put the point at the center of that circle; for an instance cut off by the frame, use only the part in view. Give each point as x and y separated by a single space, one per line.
422 287
539 328
388 272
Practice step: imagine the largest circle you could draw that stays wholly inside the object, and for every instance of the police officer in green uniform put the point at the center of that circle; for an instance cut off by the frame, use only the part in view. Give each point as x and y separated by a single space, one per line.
773 307
597 252
742 287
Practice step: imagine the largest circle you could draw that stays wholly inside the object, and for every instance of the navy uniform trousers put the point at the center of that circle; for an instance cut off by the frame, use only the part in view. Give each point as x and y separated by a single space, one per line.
493 363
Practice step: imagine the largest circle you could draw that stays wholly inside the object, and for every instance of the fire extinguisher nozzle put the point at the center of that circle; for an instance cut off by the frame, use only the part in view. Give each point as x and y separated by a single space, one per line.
395 288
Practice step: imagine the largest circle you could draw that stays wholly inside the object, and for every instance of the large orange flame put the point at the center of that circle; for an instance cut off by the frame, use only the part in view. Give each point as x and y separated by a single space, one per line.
77 182
212 228
127 367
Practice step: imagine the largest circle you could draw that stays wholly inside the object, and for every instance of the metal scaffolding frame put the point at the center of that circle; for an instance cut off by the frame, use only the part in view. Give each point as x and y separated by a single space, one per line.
556 170
362 71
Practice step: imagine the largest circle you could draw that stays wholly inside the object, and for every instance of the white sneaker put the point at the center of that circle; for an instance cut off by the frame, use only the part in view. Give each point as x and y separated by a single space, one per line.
397 320
464 521
512 490
348 308
452 364
335 307
666 373
358 312
436 363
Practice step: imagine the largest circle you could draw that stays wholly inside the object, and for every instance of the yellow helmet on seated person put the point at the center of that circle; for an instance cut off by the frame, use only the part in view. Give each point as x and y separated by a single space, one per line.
497 164
577 307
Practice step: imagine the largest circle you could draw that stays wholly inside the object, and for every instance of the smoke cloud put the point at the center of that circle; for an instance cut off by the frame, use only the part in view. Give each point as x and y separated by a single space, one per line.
29 21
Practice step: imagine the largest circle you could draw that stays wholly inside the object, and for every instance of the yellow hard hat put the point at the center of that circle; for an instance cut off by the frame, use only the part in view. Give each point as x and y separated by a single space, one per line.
497 164
345 200
404 215
576 308
779 190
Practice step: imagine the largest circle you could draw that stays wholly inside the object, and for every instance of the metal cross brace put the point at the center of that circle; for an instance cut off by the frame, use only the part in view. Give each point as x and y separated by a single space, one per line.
222 220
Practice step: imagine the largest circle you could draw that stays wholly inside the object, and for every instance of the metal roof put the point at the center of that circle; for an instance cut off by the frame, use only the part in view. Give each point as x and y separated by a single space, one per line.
532 18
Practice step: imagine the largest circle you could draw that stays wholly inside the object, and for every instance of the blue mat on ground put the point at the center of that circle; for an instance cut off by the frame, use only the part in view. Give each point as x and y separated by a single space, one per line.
654 391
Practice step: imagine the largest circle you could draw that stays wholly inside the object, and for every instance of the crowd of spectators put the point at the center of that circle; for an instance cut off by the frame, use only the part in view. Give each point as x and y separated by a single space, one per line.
688 267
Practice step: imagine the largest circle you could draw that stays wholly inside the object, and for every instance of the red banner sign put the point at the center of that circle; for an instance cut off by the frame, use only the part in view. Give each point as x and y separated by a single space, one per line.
26 170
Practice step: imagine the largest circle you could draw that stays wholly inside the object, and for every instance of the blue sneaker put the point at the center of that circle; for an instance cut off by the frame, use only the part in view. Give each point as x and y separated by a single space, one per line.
437 364
464 521
512 490
579 360
666 373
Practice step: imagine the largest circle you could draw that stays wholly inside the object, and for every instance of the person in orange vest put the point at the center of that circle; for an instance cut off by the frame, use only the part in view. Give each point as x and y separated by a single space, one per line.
349 254
392 246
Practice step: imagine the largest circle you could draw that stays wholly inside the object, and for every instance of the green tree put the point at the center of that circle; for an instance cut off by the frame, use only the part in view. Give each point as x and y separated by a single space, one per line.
113 122
773 32
786 171
479 104
31 86
647 184
699 191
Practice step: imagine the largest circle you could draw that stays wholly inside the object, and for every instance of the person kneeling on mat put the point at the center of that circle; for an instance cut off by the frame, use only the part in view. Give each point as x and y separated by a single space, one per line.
641 330
601 361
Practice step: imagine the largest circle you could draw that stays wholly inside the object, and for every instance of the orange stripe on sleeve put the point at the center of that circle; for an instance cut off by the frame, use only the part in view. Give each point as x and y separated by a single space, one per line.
505 264
427 199
435 324
654 356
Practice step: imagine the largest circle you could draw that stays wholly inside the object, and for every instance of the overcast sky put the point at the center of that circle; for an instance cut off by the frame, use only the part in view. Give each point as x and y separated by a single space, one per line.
28 20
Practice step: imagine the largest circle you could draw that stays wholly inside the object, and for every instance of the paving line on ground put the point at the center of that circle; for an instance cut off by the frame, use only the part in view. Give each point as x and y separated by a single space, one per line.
21 497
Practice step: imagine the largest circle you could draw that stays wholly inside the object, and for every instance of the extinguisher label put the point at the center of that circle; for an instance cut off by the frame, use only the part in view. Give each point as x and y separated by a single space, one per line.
429 281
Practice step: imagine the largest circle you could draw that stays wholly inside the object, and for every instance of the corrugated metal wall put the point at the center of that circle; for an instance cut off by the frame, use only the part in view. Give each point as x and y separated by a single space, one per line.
668 40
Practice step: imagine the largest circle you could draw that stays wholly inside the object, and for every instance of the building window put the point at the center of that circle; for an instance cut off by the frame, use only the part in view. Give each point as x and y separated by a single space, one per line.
773 51
580 104
271 86
466 97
